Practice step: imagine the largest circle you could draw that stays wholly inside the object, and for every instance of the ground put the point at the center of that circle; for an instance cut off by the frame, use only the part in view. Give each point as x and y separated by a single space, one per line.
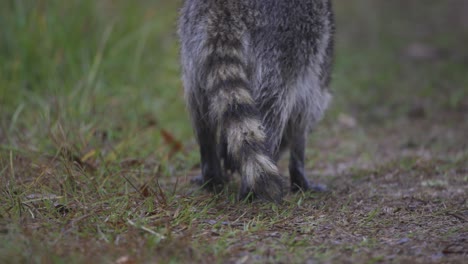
97 154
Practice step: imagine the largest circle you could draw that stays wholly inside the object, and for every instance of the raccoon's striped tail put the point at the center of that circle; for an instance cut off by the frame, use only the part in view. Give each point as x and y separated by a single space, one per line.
232 110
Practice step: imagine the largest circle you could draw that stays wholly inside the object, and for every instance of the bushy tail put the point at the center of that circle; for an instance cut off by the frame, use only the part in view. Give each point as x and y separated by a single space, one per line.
233 111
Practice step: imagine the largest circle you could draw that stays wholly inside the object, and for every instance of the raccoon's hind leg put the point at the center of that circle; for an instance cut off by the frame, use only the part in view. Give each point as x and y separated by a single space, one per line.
296 139
297 136
212 176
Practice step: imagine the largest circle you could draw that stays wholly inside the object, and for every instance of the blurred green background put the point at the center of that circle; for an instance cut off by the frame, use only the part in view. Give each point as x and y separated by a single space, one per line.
76 67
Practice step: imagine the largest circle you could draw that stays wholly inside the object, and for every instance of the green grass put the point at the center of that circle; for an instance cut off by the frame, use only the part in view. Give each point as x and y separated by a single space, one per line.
96 150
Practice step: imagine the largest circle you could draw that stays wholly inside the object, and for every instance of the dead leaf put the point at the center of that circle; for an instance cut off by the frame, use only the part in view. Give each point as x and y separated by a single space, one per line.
170 140
125 260
146 191
128 163
347 121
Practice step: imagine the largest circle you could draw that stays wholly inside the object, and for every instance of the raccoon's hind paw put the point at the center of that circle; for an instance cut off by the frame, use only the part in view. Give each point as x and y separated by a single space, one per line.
211 185
246 194
306 186
267 187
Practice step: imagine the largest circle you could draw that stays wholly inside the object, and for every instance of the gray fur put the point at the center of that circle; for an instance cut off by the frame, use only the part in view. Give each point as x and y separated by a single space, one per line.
256 75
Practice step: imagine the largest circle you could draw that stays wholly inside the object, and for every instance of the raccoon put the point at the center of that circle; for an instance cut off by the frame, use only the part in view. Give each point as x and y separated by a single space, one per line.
256 76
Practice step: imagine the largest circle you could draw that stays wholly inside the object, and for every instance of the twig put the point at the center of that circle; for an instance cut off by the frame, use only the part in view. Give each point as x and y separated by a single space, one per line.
146 229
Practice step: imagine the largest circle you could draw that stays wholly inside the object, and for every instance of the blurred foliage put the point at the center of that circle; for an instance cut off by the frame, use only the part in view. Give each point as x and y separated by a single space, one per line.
96 64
